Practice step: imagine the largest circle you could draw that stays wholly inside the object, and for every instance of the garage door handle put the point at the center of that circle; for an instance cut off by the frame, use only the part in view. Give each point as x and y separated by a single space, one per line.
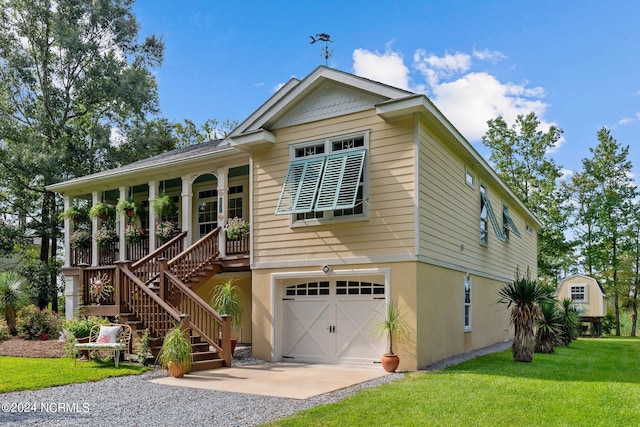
332 329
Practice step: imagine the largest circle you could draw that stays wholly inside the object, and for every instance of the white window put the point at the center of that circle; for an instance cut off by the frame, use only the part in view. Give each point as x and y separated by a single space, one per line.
234 202
470 178
326 180
207 211
484 217
467 303
579 293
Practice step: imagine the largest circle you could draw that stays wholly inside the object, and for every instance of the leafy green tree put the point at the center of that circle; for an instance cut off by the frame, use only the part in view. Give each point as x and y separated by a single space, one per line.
13 296
607 213
520 156
70 73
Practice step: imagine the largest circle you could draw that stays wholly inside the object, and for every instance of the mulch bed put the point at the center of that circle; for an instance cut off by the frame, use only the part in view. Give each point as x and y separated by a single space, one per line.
19 347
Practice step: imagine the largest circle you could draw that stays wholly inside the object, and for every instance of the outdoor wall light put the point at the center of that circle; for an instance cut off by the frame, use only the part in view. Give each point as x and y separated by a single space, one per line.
326 269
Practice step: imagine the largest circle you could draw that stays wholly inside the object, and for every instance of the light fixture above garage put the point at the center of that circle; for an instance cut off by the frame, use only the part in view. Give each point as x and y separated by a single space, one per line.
326 269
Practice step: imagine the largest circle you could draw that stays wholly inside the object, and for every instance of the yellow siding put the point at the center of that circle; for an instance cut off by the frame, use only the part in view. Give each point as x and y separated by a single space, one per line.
389 229
449 216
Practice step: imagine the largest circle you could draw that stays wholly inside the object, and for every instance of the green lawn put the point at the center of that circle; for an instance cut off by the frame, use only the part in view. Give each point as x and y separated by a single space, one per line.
594 382
22 373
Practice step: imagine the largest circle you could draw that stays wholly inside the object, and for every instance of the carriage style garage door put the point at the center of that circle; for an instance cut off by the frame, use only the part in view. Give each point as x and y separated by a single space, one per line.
333 321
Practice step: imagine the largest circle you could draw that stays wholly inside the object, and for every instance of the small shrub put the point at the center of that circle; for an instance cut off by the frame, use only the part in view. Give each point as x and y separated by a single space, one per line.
143 346
609 323
79 328
4 330
32 323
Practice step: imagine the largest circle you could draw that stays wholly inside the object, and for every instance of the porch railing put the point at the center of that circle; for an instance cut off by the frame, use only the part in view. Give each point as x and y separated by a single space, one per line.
138 249
106 274
237 246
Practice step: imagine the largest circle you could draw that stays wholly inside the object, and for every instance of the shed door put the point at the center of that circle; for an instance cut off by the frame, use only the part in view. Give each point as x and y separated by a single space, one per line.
333 321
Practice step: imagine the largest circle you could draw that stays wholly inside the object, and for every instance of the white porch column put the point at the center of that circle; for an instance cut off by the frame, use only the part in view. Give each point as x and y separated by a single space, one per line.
222 175
187 210
121 222
68 229
71 295
94 228
153 194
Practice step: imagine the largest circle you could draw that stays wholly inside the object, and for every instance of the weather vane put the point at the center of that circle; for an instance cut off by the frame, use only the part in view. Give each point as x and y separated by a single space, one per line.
326 38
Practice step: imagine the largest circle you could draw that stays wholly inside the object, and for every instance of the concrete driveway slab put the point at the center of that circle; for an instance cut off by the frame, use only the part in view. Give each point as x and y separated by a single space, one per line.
289 380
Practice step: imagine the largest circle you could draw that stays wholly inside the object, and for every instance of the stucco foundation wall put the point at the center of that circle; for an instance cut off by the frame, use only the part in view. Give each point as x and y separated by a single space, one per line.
243 281
402 288
440 320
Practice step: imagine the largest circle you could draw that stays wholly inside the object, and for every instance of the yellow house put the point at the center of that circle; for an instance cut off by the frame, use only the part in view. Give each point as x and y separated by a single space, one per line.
588 294
357 194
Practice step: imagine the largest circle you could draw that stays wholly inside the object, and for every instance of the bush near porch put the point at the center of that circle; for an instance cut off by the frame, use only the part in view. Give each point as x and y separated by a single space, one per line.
592 382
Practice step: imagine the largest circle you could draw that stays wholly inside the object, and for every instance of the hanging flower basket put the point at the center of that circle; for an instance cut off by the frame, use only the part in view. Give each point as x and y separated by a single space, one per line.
80 239
102 211
166 231
106 236
128 207
133 233
237 228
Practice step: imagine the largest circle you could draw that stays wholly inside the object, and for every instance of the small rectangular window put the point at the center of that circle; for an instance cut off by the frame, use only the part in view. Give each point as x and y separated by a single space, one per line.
470 179
579 293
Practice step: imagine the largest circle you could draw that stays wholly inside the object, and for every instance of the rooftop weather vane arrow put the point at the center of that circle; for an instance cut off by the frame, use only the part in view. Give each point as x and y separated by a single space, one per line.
326 38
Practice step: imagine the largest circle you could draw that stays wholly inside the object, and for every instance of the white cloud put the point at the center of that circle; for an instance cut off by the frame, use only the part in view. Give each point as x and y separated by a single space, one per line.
385 67
488 55
467 97
628 120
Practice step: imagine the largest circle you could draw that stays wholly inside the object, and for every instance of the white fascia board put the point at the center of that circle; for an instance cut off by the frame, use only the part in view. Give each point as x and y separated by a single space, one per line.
253 139
106 177
276 108
396 109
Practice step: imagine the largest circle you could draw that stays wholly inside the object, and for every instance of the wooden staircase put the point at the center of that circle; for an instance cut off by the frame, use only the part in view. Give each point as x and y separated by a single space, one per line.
154 293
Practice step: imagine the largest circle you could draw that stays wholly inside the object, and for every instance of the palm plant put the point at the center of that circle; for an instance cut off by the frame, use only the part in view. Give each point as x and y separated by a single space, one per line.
569 319
13 296
226 299
391 324
522 296
549 328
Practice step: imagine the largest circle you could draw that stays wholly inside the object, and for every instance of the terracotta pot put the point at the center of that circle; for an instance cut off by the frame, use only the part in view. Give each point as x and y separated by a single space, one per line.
234 343
390 362
85 353
176 370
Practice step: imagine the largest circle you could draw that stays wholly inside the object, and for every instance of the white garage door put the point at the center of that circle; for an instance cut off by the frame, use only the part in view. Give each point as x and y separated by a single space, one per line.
333 321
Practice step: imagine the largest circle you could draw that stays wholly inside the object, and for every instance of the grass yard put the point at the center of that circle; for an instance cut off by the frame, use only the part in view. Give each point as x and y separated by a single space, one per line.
594 382
22 373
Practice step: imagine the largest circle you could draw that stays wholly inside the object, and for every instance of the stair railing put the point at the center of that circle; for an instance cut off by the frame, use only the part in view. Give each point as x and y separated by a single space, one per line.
195 258
147 270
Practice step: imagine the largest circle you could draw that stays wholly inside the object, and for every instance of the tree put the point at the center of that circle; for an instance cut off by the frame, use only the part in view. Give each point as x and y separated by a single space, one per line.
520 156
70 73
607 212
13 296
524 296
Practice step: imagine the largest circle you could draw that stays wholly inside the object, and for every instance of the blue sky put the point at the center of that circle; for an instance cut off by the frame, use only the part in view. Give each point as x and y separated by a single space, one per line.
575 63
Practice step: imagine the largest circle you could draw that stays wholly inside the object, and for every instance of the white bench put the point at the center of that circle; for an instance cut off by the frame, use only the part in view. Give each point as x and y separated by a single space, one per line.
113 337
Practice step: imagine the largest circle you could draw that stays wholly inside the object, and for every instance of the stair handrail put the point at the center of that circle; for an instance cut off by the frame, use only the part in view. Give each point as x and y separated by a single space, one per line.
144 316
151 261
205 321
197 256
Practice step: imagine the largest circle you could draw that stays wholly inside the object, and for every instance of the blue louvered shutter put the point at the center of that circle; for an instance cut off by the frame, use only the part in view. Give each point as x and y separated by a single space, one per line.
492 217
300 186
509 222
340 181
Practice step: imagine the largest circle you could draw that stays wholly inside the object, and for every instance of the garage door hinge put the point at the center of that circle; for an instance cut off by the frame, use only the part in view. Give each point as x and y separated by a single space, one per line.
288 299
288 357
378 297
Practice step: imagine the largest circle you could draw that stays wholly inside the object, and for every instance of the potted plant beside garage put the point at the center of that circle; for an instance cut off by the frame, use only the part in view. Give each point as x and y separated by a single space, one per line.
227 300
175 355
393 327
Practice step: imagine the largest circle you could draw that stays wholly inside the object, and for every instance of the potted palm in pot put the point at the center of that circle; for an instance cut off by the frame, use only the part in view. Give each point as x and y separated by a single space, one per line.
392 326
175 355
227 300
